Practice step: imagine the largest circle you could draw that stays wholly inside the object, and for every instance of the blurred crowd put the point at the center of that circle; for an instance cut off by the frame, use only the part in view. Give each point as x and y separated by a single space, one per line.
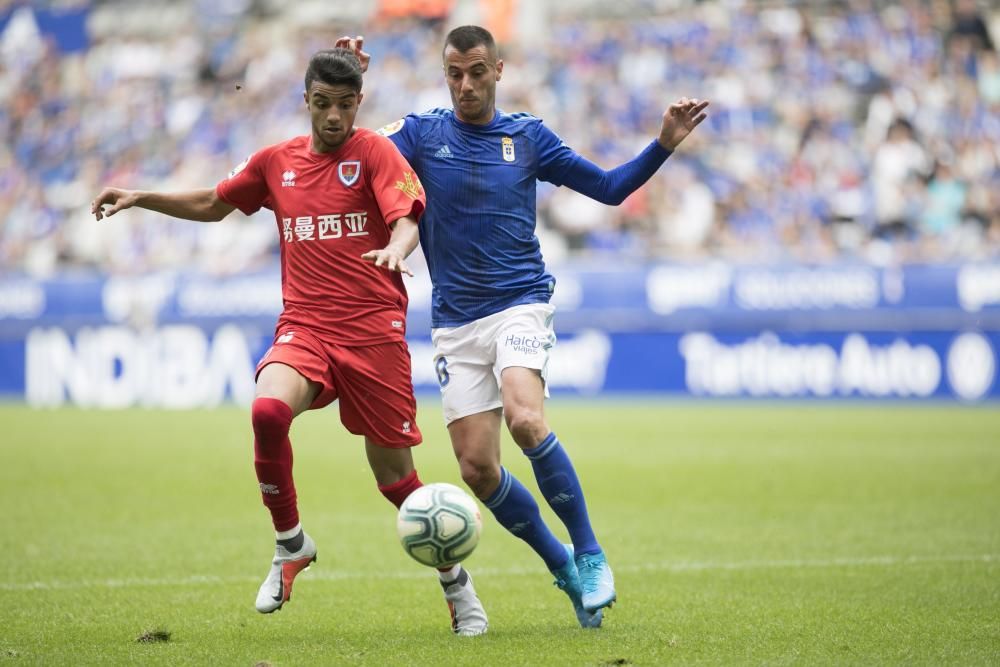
853 130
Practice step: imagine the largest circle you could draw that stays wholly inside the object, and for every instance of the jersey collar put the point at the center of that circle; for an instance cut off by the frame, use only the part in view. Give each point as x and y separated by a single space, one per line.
337 153
476 128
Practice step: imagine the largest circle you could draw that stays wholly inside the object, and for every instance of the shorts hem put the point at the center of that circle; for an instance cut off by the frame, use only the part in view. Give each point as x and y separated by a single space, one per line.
394 445
473 410
402 444
324 397
519 364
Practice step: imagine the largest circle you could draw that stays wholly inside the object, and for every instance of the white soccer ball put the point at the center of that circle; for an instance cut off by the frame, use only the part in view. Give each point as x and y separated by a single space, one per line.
439 525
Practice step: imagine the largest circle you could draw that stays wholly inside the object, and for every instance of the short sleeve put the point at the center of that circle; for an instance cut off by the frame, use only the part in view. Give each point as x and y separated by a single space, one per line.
555 158
405 133
245 187
394 183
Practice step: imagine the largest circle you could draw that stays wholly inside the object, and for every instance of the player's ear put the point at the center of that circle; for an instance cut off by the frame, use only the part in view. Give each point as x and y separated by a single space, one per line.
499 68
361 96
305 97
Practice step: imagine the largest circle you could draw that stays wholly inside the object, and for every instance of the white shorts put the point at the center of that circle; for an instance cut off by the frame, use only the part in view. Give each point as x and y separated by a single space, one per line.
470 358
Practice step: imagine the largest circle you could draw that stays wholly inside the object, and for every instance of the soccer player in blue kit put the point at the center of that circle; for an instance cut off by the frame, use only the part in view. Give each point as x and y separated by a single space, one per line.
491 317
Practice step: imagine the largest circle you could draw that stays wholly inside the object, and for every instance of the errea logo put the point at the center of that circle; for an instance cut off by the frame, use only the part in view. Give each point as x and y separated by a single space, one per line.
288 179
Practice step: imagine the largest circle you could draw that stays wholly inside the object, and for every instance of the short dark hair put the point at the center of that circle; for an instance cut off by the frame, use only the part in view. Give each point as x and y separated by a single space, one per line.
468 37
335 67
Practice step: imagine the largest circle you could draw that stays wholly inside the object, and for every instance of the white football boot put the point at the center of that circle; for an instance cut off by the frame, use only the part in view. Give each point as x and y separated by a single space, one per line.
277 588
468 618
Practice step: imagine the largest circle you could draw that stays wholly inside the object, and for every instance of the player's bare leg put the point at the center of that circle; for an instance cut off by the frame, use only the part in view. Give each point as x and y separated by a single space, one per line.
476 441
282 394
523 394
397 479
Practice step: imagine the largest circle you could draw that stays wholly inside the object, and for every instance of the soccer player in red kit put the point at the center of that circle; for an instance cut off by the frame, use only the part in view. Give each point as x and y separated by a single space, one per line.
346 205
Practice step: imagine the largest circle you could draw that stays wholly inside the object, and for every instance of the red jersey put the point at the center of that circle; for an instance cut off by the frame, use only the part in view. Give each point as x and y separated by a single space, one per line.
331 208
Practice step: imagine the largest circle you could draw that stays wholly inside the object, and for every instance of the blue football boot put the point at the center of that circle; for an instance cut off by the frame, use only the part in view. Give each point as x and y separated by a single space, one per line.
596 580
568 580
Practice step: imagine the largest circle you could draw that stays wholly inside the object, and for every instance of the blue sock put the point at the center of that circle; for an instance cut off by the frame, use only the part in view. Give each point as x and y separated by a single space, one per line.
559 485
516 510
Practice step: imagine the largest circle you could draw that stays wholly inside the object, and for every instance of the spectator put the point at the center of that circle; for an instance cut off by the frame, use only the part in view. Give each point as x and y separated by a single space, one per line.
970 25
942 213
684 211
897 161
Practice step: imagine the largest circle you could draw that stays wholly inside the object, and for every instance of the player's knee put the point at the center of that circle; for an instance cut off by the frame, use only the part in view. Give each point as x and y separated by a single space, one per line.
527 427
480 476
271 419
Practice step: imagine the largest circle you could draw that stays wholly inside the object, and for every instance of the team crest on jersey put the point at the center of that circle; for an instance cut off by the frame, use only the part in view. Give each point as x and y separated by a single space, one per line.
391 128
348 172
508 149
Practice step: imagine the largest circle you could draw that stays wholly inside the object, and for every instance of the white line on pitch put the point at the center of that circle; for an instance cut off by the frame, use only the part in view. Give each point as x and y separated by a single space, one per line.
665 566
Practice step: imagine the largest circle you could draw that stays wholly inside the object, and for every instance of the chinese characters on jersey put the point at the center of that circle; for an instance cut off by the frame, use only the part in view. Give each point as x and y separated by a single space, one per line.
323 227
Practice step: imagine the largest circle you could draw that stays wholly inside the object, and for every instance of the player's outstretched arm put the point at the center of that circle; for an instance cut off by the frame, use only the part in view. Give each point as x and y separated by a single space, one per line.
355 44
405 236
200 205
612 187
679 120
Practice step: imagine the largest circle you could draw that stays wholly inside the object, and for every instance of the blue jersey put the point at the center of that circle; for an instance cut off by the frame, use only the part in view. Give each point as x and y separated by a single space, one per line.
478 231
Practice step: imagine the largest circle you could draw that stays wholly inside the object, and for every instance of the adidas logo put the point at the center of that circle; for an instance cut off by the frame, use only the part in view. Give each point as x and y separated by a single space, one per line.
519 527
560 498
444 152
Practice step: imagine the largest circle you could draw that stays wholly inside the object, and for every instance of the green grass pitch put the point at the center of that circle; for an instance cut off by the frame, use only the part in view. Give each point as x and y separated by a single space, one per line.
740 533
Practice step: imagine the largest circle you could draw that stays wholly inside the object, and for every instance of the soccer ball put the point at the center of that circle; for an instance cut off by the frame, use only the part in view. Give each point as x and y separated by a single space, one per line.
439 525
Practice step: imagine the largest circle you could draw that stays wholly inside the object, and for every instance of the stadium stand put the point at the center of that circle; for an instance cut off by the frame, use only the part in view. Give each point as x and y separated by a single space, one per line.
857 130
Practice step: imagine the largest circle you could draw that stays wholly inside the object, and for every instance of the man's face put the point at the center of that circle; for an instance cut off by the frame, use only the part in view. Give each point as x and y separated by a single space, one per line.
472 81
332 109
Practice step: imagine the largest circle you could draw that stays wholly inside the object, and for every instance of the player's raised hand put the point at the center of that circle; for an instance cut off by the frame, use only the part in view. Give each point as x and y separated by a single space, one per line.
389 258
355 44
116 197
679 120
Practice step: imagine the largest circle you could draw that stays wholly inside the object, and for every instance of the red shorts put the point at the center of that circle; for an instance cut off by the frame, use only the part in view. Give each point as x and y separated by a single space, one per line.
373 382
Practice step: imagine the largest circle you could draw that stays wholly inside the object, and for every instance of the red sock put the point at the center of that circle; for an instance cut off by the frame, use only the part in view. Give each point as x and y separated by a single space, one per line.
397 492
273 460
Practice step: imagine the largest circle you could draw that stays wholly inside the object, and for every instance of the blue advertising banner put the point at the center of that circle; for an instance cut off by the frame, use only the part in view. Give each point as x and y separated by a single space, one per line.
709 330
184 366
658 297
